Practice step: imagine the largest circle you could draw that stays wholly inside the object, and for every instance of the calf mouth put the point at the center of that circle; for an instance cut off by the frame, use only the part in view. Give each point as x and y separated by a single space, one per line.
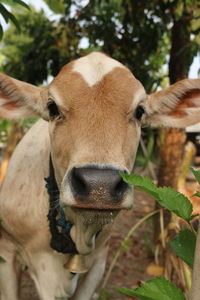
99 217
89 225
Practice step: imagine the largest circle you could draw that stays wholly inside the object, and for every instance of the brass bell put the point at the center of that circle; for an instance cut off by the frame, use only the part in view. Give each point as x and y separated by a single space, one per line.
76 264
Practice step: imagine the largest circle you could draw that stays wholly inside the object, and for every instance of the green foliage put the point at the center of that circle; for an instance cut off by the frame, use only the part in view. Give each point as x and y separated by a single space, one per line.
41 49
138 40
175 202
56 6
184 244
28 123
197 194
5 127
15 3
2 260
196 174
137 33
155 289
166 196
142 182
8 16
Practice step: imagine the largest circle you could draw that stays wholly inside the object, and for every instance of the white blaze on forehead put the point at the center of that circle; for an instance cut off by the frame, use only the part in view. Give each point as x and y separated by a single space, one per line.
95 66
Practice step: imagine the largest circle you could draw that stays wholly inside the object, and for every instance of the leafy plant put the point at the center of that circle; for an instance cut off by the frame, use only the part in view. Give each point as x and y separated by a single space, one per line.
183 244
7 15
196 174
56 6
155 289
167 197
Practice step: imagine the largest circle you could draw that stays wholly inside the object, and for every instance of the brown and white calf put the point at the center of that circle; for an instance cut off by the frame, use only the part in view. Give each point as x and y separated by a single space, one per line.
91 114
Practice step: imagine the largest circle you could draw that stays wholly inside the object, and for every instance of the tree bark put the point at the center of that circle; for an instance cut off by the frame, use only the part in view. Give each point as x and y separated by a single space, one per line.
172 147
171 154
173 140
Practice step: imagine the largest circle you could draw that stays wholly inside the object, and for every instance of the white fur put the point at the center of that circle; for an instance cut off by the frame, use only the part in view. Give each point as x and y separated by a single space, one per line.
52 280
95 66
26 204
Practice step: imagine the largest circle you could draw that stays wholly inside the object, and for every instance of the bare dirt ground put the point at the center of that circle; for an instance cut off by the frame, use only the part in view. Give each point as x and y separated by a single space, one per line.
130 269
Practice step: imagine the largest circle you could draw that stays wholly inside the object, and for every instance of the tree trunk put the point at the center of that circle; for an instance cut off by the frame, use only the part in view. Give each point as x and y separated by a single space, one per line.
171 154
173 139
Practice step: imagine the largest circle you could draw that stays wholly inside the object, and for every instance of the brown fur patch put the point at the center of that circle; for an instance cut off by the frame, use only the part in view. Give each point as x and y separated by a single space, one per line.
185 102
96 123
9 105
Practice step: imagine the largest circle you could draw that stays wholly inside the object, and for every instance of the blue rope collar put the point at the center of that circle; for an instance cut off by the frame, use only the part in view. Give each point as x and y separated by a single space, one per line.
59 226
64 224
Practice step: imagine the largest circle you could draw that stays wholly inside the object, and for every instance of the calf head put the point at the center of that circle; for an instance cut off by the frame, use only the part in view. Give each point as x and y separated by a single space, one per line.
95 108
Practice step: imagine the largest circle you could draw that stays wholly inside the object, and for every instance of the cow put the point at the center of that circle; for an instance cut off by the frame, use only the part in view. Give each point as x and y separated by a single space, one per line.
90 126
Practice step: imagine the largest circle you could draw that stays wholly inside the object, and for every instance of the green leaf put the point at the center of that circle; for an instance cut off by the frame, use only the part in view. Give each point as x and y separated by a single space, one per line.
8 16
14 20
1 32
56 6
22 3
184 246
166 196
196 174
124 247
196 194
13 3
2 259
155 289
142 182
4 12
175 202
194 216
126 292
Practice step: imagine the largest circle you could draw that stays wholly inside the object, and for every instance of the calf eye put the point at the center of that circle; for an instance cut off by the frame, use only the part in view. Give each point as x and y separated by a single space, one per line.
139 112
53 109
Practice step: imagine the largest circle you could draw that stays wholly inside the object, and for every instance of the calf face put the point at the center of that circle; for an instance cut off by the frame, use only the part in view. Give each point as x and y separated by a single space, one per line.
95 108
94 131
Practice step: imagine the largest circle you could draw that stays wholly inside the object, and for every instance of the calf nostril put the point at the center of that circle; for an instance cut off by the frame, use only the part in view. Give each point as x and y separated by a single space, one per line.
120 187
78 183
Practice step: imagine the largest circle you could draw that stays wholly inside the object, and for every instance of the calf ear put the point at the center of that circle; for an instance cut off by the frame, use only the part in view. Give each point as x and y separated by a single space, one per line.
20 99
176 106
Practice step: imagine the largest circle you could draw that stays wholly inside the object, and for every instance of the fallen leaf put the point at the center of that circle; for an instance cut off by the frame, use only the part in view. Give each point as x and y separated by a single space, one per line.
154 270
